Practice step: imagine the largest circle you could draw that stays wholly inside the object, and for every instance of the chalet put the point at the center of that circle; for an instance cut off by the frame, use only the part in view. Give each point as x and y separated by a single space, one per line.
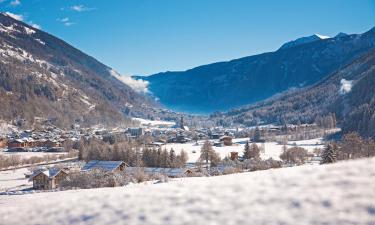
170 172
104 165
3 142
227 140
48 179
215 136
18 143
135 131
234 155
179 139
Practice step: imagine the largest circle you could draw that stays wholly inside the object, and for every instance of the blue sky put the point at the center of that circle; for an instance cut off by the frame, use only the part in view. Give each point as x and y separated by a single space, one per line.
149 36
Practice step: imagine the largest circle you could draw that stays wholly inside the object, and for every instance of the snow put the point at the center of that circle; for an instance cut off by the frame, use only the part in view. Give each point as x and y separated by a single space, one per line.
341 193
13 179
40 41
321 36
154 123
6 128
303 40
271 149
29 31
346 86
26 155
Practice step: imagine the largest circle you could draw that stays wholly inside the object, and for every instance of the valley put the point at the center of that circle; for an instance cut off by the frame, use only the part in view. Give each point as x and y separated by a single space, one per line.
283 135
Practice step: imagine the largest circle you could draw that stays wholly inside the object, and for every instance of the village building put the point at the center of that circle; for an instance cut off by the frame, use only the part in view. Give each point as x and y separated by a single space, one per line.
135 131
227 140
48 179
170 172
111 166
18 143
233 155
3 142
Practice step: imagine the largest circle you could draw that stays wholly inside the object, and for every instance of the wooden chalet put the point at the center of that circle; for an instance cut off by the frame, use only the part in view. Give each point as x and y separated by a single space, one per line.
3 142
227 140
48 179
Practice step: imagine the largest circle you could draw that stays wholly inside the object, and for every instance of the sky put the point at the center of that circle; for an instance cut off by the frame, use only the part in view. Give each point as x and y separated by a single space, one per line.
143 37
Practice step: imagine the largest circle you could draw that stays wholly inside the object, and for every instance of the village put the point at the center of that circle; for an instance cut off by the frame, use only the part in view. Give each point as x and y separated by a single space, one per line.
43 158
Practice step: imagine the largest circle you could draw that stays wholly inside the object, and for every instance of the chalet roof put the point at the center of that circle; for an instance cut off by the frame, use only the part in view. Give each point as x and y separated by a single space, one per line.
106 165
50 173
225 137
173 172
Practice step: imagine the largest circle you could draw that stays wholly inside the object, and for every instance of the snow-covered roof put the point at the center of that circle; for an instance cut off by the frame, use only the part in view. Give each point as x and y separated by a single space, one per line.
106 165
172 172
50 173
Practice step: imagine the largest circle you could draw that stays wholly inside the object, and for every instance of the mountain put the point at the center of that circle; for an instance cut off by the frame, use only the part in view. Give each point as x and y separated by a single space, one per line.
303 40
224 85
348 93
42 76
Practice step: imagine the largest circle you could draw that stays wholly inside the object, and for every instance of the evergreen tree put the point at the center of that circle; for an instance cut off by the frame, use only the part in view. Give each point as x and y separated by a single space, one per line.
246 153
172 158
256 137
329 154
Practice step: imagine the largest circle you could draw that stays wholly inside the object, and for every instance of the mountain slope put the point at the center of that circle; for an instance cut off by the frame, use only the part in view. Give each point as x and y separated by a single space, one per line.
221 86
42 76
342 193
349 93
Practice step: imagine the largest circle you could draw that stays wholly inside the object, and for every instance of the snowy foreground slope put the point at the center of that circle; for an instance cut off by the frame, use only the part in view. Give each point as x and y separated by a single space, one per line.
343 193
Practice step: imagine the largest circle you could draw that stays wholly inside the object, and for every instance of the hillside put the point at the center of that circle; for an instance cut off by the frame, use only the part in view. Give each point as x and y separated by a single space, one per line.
43 76
348 93
342 193
224 85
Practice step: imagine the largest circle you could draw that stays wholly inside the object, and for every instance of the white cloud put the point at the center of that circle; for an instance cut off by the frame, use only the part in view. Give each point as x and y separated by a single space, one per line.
346 86
80 8
15 16
15 3
140 86
66 21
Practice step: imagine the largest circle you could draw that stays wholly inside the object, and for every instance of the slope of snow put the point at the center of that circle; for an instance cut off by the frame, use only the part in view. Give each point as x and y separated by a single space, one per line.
154 123
13 178
342 193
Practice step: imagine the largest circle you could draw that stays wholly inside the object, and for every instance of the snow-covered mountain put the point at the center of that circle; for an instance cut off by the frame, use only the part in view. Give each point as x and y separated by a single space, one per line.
303 40
342 193
349 93
225 85
43 76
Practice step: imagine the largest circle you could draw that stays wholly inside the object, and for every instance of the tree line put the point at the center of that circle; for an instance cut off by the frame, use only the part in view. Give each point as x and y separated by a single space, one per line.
132 153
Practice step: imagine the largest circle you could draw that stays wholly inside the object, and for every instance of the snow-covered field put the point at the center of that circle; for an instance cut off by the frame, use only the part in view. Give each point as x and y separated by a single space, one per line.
342 193
27 155
14 180
271 149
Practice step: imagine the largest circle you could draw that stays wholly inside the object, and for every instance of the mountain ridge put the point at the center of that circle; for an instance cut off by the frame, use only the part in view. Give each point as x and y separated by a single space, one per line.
224 85
41 75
